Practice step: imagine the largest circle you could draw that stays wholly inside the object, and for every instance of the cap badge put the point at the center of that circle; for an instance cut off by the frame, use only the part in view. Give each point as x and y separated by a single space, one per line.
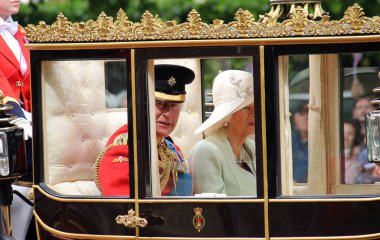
172 81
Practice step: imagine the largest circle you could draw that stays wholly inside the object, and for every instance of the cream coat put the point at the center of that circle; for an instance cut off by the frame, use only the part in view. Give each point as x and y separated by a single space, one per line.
214 168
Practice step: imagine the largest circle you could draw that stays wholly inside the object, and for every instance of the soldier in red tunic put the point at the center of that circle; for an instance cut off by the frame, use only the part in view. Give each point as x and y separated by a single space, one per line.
112 167
15 72
15 85
14 58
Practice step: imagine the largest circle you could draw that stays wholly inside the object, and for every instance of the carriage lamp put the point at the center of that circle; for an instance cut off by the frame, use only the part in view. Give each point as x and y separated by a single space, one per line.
4 159
13 164
372 123
373 136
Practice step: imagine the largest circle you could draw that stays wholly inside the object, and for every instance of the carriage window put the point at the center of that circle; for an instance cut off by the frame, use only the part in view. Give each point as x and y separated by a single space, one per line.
298 107
202 109
115 84
79 124
323 104
359 76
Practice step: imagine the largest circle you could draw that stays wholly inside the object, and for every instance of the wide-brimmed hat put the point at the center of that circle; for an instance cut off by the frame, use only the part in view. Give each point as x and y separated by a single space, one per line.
232 90
170 81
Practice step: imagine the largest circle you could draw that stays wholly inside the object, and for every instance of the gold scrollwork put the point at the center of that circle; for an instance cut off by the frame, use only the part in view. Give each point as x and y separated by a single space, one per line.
130 220
152 27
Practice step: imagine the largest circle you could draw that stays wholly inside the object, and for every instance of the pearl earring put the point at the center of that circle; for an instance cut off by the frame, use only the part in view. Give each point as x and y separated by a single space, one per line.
225 124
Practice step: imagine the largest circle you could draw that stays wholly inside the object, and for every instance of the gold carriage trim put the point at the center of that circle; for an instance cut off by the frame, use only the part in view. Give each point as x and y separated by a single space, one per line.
298 24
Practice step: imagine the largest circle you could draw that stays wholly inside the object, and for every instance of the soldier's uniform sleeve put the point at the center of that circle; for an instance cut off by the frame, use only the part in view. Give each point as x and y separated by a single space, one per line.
13 83
112 165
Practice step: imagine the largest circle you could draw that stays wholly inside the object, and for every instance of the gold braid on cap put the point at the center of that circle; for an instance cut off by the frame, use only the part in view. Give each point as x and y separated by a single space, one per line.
167 163
169 97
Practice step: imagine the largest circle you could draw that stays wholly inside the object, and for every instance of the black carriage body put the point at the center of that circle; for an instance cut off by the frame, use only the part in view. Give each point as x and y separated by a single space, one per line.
282 209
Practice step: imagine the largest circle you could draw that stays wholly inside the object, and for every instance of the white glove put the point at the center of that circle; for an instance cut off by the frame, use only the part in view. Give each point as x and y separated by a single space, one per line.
28 115
24 124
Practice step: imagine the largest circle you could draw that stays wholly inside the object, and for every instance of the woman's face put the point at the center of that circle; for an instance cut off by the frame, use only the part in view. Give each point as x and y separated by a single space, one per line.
8 8
361 108
349 135
243 121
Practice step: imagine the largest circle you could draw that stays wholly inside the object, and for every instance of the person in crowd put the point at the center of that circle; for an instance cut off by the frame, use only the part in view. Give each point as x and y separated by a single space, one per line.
112 177
368 172
360 108
352 141
15 85
300 149
224 162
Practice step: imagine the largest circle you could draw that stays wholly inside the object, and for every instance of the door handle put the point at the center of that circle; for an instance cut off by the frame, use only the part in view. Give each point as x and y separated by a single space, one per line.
152 218
130 220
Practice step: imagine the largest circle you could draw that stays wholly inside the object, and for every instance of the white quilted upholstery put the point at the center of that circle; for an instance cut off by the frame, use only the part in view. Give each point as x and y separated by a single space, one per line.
77 124
76 188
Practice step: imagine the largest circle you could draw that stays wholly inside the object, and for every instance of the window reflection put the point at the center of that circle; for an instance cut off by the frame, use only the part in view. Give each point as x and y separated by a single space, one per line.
352 141
298 106
303 96
359 77
115 84
300 135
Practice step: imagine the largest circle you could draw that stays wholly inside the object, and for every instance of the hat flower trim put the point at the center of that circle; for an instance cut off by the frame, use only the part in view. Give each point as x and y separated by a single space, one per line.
240 87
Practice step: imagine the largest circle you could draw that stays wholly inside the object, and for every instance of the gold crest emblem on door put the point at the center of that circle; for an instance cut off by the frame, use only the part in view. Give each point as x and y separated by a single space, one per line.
198 220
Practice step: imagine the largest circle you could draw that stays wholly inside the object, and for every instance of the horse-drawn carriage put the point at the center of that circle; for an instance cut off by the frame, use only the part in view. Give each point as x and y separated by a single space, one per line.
90 78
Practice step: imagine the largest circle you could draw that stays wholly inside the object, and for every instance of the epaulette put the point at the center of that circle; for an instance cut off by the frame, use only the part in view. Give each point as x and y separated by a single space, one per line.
22 29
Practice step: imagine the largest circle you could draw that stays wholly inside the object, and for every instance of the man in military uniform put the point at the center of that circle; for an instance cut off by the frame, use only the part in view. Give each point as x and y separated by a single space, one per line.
112 169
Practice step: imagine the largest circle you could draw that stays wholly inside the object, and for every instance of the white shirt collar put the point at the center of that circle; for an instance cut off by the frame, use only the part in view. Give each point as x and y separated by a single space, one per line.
8 24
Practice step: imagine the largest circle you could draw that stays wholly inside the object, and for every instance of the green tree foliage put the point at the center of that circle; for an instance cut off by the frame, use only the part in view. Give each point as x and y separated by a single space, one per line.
83 10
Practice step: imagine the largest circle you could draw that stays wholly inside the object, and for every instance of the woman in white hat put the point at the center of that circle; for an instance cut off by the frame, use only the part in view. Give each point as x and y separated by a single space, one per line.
224 162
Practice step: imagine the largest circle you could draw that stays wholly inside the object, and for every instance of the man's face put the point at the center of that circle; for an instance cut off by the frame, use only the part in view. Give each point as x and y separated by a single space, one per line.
361 108
301 121
167 114
8 8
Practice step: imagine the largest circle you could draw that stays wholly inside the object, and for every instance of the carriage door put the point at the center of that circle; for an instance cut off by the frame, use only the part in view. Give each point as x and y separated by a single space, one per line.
199 214
324 184
79 101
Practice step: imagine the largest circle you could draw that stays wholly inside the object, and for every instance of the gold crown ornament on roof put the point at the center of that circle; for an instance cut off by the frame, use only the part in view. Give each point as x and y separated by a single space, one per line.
298 22
279 7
